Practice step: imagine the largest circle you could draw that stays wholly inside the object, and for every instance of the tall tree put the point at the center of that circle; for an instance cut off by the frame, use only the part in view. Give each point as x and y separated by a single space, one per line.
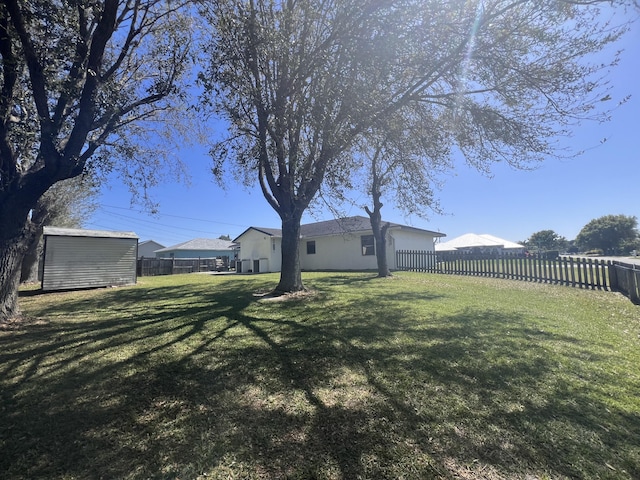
613 234
546 240
80 80
300 82
68 204
400 160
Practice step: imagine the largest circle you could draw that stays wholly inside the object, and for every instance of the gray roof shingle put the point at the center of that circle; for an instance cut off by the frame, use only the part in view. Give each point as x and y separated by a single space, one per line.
201 244
338 226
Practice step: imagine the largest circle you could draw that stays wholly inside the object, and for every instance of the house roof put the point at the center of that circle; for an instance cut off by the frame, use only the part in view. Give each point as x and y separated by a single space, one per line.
272 232
337 227
78 232
353 224
472 240
506 243
149 242
201 244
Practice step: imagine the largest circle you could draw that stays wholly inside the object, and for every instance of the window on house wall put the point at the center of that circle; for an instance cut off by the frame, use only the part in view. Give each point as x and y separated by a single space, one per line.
368 245
311 247
273 244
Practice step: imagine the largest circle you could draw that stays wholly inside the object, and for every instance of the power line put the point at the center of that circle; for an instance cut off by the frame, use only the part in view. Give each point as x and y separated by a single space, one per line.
156 224
180 217
150 228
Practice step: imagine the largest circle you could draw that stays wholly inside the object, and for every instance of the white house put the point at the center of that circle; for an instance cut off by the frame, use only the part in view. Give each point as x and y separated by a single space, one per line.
341 244
484 243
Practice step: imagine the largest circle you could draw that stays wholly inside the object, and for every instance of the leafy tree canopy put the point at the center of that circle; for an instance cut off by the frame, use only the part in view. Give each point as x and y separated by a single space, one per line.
67 204
83 84
301 82
392 161
613 234
546 240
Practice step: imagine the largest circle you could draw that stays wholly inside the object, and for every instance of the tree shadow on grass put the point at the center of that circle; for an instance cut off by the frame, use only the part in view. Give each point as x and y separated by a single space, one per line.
218 383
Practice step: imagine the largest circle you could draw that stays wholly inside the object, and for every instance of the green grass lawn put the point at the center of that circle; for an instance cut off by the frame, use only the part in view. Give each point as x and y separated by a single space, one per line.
413 377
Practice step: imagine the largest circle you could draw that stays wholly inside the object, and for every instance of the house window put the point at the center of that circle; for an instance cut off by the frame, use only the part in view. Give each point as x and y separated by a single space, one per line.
311 247
368 245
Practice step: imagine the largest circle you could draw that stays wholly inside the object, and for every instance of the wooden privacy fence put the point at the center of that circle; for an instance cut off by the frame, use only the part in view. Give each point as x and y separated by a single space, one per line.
582 272
148 267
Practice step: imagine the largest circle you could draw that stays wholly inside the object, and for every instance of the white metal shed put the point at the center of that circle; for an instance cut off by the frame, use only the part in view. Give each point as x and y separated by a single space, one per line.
75 258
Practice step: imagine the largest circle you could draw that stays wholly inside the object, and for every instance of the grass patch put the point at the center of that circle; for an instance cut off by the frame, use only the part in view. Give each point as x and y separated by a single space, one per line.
417 376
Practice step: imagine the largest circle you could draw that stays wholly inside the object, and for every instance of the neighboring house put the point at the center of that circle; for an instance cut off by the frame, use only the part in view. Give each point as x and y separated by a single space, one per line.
199 248
342 244
485 243
147 249
75 258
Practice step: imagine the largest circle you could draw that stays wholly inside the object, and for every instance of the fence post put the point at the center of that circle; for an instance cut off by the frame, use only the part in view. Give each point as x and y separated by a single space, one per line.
613 276
597 279
634 293
565 277
592 282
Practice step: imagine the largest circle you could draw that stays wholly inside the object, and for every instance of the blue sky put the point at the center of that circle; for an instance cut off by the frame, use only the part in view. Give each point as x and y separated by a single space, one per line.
561 195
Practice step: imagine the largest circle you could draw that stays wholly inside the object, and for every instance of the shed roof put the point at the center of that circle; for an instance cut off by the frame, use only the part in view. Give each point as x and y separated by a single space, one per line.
200 244
78 232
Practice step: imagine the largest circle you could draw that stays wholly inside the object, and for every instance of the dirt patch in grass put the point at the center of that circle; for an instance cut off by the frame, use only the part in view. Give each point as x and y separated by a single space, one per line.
275 296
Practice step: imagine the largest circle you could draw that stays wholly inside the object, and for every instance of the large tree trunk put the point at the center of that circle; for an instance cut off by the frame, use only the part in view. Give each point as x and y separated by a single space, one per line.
39 216
30 262
379 230
290 273
381 252
375 216
380 235
16 234
12 251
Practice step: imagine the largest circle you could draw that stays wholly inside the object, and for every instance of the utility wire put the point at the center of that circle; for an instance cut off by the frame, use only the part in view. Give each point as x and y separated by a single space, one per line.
179 216
156 224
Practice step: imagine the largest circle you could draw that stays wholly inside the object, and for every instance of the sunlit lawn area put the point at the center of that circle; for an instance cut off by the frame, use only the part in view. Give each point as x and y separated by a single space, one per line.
415 377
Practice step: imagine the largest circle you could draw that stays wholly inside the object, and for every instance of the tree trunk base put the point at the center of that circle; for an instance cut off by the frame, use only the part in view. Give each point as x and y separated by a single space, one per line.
286 290
11 255
278 296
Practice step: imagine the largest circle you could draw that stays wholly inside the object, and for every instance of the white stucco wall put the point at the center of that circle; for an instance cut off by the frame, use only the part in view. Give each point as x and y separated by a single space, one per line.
275 260
333 252
412 240
408 240
338 252
256 245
